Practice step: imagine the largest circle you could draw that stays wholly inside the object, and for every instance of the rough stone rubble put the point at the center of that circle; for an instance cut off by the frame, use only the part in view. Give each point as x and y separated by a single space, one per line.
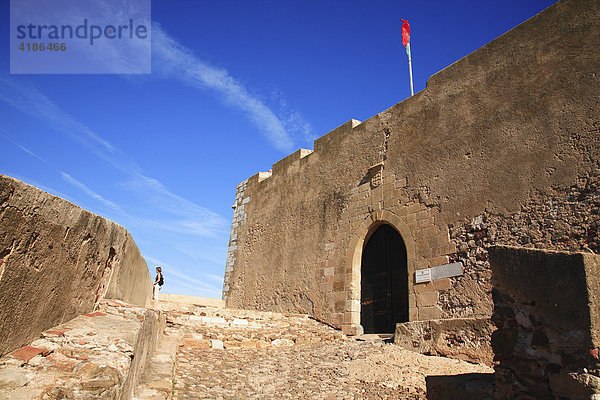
216 353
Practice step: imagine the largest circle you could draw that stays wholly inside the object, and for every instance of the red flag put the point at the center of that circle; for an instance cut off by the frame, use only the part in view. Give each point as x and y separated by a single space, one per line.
405 32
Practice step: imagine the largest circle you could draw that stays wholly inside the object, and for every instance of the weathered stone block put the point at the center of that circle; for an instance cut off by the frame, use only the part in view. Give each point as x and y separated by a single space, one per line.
353 305
26 353
427 313
461 338
442 284
425 219
547 330
575 385
424 287
439 260
400 183
197 343
412 300
352 330
413 313
352 317
59 260
337 319
427 299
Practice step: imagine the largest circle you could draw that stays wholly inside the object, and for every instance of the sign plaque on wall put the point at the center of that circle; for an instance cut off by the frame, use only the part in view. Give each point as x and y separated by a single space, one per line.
423 275
439 272
446 271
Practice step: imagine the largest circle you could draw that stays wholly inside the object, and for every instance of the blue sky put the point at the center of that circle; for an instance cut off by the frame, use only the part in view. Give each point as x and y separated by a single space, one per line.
235 86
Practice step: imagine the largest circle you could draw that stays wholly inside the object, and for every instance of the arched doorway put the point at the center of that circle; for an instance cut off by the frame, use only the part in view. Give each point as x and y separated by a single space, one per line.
384 281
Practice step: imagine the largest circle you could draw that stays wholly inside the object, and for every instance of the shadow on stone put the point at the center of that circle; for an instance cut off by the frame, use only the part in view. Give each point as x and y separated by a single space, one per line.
464 387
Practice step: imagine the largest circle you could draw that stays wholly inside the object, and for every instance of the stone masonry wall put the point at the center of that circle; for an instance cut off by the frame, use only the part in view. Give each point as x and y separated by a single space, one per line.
502 147
461 338
58 261
546 309
563 219
239 219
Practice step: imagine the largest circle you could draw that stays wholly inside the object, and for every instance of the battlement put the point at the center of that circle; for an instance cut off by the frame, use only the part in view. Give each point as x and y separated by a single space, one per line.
293 162
504 135
499 66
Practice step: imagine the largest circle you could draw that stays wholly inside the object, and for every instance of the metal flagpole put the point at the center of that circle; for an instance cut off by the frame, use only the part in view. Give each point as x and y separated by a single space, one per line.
406 43
412 91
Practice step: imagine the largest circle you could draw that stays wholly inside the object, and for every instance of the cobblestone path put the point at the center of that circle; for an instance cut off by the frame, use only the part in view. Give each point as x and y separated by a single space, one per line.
228 354
317 371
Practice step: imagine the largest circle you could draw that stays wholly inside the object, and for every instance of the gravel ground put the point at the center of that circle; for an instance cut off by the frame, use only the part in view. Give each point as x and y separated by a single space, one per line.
311 363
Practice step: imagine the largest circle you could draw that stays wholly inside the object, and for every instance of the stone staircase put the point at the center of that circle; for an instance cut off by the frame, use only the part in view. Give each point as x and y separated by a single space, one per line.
157 380
97 355
204 327
174 350
103 354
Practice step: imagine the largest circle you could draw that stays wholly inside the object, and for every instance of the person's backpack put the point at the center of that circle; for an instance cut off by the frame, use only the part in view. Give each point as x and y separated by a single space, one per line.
161 281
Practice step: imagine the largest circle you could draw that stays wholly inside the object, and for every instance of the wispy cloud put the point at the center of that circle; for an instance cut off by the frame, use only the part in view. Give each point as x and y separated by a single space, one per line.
5 135
215 255
178 214
68 178
89 191
215 278
187 217
31 153
292 119
186 278
174 60
29 100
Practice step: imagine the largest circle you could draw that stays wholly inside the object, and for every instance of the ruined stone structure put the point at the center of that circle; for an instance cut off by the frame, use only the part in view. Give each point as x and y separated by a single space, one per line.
460 338
57 261
502 147
547 311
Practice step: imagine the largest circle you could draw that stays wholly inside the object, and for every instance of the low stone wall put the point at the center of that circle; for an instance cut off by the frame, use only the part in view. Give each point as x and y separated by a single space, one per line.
474 386
465 339
547 310
100 355
199 301
147 340
57 261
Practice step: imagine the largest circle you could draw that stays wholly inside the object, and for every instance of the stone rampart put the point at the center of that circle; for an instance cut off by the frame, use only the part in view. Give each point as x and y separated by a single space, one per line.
547 311
465 339
502 147
57 261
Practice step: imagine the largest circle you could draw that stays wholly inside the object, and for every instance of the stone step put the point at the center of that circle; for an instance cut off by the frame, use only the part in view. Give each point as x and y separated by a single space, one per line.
207 310
237 333
93 356
384 337
157 381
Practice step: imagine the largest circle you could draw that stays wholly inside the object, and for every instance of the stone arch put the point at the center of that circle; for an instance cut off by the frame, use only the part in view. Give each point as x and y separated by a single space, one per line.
384 281
354 259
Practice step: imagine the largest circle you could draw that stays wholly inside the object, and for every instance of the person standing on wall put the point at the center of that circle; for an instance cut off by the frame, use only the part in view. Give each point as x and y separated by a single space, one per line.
158 282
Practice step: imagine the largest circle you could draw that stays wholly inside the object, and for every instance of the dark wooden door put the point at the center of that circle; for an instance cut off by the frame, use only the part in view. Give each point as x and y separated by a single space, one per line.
384 281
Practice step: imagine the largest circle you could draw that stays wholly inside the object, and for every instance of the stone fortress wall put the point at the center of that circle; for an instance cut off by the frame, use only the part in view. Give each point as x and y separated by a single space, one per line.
57 261
548 337
501 148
